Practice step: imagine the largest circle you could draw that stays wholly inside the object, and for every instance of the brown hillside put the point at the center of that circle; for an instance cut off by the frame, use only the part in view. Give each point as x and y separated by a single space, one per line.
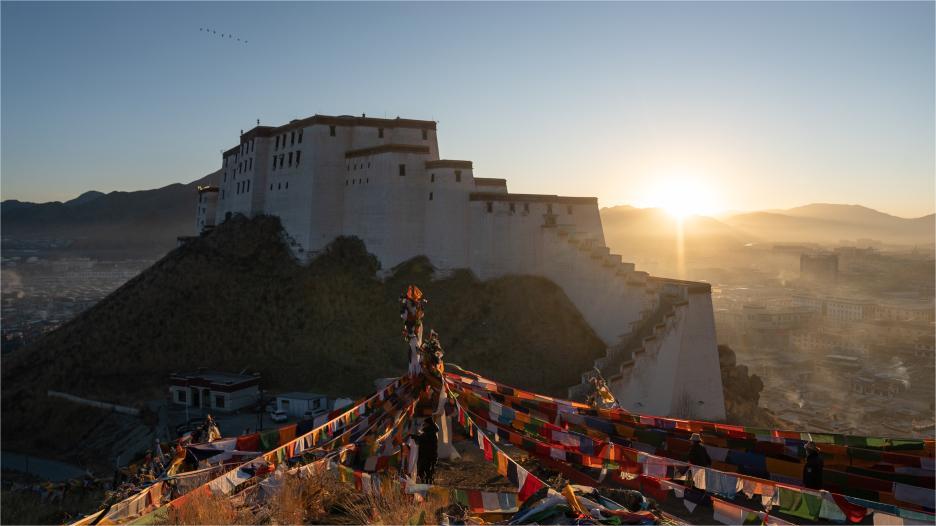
235 299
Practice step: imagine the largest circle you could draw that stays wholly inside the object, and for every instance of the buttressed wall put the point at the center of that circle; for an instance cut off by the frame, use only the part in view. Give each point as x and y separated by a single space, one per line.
383 181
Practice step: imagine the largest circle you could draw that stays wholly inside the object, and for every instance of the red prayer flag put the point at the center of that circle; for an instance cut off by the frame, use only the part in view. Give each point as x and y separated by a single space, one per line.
475 501
853 512
530 486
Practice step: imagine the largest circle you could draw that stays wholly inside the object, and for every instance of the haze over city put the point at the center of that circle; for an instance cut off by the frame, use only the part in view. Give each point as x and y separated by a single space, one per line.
709 107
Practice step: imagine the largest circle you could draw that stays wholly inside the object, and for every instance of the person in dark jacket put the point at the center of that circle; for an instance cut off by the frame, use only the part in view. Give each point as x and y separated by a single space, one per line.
698 456
812 470
428 442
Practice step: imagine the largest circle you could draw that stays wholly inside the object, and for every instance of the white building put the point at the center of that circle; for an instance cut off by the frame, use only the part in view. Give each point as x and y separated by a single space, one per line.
217 391
297 404
383 181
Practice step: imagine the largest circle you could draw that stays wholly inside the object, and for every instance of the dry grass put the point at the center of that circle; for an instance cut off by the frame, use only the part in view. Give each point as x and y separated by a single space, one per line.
207 508
391 506
310 499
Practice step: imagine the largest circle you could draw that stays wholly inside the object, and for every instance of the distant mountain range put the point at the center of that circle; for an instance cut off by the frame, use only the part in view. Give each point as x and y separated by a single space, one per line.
143 223
630 229
148 222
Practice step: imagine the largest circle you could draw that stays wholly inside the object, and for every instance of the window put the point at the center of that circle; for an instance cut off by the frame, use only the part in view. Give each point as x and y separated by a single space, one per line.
251 164
402 169
279 186
271 186
225 177
282 156
292 137
457 176
368 164
425 134
380 133
297 157
569 210
222 194
331 131
277 143
274 162
526 208
248 185
180 396
219 401
290 158
367 180
300 137
549 208
513 208
430 196
432 178
490 207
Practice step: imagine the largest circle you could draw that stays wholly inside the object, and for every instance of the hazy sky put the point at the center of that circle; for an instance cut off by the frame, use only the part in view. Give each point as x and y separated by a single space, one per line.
754 105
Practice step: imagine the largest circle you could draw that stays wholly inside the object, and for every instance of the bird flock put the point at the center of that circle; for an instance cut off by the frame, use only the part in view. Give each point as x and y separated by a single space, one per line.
214 32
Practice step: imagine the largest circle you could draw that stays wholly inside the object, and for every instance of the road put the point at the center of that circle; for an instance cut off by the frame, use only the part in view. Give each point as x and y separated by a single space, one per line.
43 468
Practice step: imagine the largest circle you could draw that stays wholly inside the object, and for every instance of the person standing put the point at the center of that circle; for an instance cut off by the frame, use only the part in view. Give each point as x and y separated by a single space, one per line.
428 453
812 470
698 456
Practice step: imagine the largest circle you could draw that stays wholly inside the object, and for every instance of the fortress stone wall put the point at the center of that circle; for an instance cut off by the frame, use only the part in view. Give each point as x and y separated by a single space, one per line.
383 181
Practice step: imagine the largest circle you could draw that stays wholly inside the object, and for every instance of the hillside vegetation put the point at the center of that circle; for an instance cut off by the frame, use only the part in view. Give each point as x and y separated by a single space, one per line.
235 299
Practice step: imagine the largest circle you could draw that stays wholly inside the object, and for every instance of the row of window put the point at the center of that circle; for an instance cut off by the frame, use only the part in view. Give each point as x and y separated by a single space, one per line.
355 166
457 177
293 139
332 131
513 207
243 187
357 181
247 147
281 157
280 186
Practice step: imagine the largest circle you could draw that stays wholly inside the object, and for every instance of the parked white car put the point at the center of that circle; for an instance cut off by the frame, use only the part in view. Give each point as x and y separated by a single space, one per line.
279 416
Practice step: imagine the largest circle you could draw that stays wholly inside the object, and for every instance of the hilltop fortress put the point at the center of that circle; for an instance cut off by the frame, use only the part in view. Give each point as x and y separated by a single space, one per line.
383 181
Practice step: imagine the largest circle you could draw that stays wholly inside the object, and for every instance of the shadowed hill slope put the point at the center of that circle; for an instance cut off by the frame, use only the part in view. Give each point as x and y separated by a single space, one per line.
235 299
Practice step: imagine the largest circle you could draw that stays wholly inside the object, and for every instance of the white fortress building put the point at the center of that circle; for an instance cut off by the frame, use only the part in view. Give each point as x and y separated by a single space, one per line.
384 181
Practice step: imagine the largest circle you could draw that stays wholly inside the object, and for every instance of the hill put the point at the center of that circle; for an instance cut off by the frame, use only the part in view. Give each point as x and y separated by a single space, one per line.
235 299
831 223
144 222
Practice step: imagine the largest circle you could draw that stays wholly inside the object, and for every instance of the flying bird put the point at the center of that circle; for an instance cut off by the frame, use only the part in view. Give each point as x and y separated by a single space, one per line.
223 35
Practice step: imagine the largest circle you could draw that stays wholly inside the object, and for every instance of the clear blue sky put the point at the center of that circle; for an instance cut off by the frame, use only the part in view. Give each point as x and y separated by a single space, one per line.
770 105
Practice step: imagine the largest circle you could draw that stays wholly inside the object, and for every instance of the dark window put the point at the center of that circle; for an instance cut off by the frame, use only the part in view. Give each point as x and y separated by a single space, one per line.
299 153
274 162
367 180
490 207
222 194
181 396
425 134
346 182
277 143
430 196
292 138
432 178
271 186
251 164
279 186
225 177
282 156
380 132
569 210
219 401
549 208
457 176
290 158
248 185
526 207
331 131
368 164
402 169
300 136
287 185
513 208
353 181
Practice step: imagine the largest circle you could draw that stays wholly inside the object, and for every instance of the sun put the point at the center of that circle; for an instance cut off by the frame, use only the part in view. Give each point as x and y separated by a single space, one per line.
682 196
